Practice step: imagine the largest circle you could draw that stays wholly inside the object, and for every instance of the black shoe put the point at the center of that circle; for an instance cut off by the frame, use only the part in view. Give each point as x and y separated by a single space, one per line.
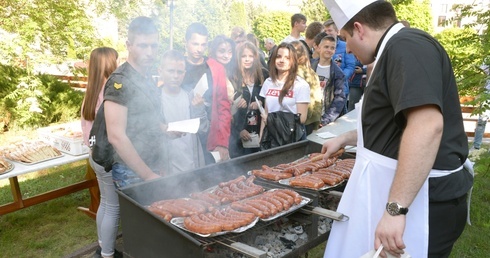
98 252
118 254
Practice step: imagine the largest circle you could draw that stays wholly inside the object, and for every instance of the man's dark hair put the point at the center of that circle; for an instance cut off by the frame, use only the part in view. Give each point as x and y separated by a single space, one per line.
313 29
318 38
377 15
297 18
329 22
196 28
141 25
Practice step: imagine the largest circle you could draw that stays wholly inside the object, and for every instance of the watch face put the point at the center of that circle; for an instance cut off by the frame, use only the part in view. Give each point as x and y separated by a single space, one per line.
393 208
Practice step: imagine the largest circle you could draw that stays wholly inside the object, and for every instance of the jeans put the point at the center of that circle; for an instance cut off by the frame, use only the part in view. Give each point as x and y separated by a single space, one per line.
480 130
354 97
124 176
107 218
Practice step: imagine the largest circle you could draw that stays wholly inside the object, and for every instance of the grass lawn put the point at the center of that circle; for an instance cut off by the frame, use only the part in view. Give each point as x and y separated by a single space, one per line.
56 228
51 229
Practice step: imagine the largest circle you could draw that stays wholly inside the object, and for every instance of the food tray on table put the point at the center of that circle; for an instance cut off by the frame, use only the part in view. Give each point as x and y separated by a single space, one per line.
179 222
36 162
30 152
325 187
10 166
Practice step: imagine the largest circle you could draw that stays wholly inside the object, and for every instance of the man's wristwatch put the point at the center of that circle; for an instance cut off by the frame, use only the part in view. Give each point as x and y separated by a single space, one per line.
395 209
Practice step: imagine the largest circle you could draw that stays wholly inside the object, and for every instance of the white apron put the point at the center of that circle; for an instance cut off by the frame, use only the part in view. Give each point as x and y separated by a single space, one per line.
365 197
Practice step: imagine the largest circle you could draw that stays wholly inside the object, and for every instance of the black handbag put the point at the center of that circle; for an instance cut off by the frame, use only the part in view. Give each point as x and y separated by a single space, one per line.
282 128
102 150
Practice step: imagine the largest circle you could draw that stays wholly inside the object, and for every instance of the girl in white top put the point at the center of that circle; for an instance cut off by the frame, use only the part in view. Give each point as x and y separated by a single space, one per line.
284 90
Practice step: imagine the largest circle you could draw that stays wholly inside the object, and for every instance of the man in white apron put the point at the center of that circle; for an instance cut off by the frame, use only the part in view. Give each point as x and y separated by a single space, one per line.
408 187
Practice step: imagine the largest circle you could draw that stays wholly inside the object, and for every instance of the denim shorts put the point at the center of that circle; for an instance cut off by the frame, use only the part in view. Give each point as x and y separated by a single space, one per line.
123 176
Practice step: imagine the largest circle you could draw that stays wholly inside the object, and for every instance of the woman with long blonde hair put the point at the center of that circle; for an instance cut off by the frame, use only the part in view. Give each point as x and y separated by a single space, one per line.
311 77
103 61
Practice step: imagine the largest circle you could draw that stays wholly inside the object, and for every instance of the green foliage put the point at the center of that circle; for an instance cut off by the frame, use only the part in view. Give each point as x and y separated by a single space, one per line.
276 25
468 49
47 34
315 10
238 16
36 100
418 13
464 49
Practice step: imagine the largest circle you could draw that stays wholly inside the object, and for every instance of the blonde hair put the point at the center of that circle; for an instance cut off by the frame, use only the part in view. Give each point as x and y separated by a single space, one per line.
311 77
103 61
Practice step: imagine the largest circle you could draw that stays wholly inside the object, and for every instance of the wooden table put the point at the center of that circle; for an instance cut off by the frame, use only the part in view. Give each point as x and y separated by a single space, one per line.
88 182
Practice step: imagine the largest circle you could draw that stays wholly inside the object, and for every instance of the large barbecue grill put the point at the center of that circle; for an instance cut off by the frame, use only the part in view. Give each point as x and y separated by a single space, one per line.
147 235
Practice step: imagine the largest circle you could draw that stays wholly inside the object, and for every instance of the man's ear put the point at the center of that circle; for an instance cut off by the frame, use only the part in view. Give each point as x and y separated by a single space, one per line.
360 29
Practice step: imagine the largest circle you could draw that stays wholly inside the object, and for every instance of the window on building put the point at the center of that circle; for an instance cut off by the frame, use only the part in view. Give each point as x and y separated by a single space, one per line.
441 21
443 8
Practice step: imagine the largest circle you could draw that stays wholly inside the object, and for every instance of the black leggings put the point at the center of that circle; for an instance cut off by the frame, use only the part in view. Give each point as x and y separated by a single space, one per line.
446 223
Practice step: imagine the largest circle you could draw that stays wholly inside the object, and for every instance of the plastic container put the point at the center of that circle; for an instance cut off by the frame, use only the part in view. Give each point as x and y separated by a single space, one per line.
66 138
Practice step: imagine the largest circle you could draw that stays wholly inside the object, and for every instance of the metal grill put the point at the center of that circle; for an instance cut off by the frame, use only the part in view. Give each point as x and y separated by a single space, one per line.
146 235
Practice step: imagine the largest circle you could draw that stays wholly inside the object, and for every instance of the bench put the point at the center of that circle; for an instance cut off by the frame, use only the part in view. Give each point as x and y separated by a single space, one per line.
470 121
73 81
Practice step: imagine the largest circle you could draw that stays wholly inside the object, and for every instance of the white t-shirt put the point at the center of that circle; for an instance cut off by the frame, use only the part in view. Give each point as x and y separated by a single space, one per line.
290 39
177 108
299 93
323 74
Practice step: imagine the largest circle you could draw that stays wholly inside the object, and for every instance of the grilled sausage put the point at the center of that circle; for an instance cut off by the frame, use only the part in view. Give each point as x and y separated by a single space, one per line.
296 196
247 208
161 213
196 224
234 181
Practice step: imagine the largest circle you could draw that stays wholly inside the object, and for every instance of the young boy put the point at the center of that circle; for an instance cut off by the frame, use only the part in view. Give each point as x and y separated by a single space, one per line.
331 81
183 151
298 26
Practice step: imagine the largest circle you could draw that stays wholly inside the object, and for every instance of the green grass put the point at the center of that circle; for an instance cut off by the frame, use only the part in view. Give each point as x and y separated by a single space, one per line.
51 229
56 228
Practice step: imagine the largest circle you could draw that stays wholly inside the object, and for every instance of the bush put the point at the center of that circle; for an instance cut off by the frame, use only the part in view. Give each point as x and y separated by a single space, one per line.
32 101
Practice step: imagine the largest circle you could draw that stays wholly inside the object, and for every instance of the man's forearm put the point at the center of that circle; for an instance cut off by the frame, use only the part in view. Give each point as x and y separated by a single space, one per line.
418 149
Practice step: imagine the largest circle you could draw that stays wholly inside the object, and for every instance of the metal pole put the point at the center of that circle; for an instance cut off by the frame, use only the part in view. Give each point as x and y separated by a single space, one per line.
171 24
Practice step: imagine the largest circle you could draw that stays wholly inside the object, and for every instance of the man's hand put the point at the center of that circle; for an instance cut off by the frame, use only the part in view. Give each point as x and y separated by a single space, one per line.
390 233
333 145
152 176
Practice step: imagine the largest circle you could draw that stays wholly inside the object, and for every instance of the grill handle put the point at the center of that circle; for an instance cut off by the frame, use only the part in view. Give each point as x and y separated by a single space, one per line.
326 213
246 249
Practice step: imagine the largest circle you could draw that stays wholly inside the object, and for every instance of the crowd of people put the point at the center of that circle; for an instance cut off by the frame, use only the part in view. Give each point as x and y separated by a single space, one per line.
247 101
240 97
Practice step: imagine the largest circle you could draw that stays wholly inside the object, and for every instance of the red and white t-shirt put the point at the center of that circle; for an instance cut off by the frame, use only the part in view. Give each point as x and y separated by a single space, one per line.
299 93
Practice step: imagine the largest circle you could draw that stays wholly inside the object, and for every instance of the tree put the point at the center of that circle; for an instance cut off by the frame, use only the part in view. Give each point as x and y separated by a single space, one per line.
44 30
418 13
468 49
276 25
238 16
315 10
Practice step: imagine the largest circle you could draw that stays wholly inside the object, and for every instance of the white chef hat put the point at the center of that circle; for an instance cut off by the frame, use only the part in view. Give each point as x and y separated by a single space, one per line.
343 10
